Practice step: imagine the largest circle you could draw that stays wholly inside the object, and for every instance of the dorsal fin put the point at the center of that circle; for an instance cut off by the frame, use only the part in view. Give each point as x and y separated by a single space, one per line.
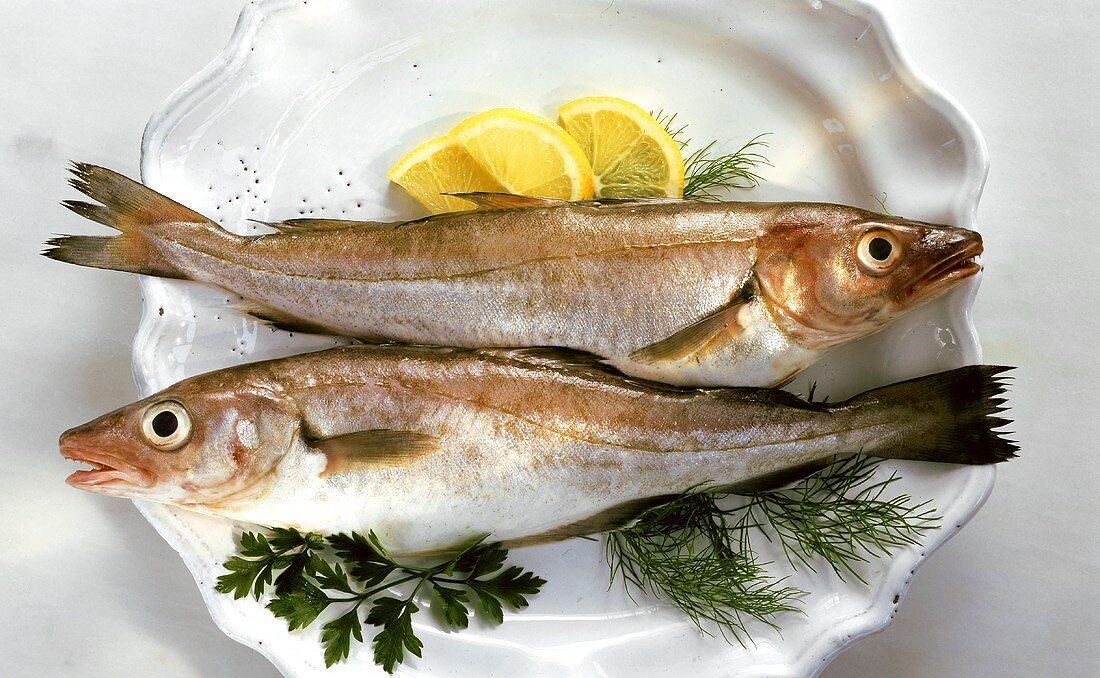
373 448
551 356
624 202
309 225
581 362
505 201
707 334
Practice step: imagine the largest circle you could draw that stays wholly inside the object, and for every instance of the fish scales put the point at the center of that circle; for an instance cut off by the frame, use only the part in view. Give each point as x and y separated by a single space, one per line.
432 447
688 293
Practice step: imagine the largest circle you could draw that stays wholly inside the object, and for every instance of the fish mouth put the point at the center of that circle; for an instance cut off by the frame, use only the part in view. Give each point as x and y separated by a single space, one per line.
107 472
948 273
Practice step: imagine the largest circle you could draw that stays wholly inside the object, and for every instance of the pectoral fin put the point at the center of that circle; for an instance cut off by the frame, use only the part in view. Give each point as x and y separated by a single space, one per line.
707 334
697 339
377 447
504 201
310 225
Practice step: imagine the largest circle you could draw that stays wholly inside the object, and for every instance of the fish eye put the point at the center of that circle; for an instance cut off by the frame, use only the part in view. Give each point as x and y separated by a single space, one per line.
166 425
878 251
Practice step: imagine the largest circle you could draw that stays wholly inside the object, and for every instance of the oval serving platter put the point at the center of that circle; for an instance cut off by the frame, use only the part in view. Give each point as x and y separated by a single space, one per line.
312 101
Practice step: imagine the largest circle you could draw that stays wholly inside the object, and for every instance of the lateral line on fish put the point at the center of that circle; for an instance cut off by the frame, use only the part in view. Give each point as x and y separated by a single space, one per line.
570 436
501 410
457 276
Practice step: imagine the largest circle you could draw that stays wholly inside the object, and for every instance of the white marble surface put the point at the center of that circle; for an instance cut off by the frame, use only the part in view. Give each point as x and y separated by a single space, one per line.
90 590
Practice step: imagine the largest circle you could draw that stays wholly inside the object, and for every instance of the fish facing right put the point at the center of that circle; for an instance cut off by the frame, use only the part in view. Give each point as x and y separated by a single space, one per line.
687 293
434 447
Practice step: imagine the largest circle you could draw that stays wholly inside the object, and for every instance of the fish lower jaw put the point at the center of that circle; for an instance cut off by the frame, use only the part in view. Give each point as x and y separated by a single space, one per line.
946 275
107 474
97 476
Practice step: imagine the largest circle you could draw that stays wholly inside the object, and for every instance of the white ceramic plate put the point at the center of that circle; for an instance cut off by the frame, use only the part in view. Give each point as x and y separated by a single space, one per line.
312 101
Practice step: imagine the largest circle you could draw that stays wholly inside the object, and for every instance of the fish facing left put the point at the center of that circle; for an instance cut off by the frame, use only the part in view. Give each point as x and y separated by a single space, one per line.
433 447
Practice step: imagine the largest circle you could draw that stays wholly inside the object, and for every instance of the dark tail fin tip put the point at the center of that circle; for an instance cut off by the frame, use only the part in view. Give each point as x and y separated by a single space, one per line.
83 177
957 412
971 427
117 253
127 204
91 211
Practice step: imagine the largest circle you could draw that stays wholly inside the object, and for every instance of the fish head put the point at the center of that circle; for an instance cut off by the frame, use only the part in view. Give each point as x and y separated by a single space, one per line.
200 442
845 273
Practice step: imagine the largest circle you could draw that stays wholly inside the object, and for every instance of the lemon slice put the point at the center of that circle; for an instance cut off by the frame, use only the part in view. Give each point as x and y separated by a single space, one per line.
438 166
631 155
527 154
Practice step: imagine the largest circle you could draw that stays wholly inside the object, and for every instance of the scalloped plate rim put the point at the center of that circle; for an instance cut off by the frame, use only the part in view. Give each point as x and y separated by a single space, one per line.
833 639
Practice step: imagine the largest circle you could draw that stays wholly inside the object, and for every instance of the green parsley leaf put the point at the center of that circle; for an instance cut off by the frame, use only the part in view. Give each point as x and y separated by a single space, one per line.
313 574
294 568
511 586
254 568
285 539
337 634
238 580
453 605
396 636
481 560
254 545
368 561
299 604
330 576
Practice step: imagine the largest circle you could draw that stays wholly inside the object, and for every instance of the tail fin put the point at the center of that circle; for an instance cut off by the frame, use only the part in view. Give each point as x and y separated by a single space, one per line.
129 207
947 417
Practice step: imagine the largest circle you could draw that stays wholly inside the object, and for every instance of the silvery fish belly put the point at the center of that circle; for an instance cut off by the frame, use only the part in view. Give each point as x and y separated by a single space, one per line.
433 447
678 291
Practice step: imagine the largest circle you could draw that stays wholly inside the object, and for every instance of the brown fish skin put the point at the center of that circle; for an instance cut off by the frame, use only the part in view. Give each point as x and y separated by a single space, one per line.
683 292
432 446
826 295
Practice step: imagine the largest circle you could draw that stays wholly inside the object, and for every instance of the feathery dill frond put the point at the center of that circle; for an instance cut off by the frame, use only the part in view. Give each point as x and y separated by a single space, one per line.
706 175
697 550
684 552
838 515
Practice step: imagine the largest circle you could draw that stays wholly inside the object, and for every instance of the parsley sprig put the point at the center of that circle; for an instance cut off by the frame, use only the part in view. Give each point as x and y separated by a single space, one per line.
311 573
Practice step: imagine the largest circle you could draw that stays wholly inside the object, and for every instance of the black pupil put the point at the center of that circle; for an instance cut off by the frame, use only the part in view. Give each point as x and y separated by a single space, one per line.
879 248
165 424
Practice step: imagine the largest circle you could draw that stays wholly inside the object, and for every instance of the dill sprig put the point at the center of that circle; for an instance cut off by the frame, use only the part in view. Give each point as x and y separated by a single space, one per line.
838 515
352 571
684 552
882 202
707 175
697 552
675 130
